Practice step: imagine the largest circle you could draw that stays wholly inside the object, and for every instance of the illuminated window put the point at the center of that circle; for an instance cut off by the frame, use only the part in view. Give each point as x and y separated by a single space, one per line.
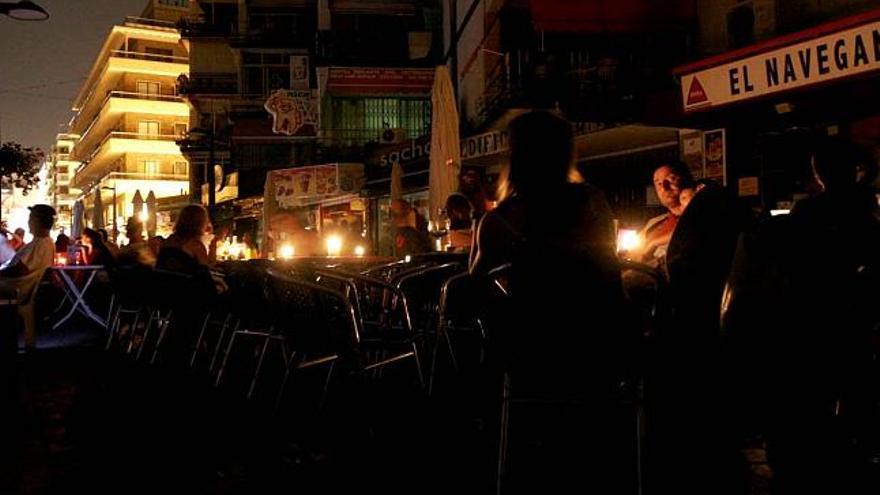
179 129
148 128
148 167
181 168
148 88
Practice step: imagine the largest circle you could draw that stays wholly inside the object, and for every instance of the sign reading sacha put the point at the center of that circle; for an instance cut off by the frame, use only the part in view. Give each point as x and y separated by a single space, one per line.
824 57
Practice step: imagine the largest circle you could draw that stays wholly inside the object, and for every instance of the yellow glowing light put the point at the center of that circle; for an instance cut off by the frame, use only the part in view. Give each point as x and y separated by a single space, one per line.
628 240
144 215
287 251
359 251
334 245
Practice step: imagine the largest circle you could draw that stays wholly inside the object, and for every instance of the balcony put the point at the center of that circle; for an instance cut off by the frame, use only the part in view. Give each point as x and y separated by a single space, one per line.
147 63
152 23
200 27
272 38
115 145
354 50
208 84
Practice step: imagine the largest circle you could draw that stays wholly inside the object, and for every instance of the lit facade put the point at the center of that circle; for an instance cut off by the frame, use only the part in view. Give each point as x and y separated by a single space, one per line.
128 117
61 168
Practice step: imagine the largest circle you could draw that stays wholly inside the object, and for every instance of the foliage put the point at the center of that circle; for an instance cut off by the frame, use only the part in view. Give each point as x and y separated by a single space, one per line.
19 166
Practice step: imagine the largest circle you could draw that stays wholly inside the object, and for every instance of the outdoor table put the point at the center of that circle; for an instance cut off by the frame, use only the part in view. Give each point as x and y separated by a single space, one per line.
76 294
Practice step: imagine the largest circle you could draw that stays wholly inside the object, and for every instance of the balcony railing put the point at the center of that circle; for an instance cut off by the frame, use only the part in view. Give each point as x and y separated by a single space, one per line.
122 94
199 27
148 175
143 96
208 83
142 21
153 57
127 135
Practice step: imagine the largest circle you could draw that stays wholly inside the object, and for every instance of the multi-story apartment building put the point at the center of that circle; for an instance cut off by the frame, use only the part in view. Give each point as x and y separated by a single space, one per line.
60 171
128 116
370 63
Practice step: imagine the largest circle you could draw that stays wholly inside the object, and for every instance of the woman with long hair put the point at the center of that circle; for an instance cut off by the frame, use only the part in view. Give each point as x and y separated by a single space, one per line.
560 333
96 253
192 229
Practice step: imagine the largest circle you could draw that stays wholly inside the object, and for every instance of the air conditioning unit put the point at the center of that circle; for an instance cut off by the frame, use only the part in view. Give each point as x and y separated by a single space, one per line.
392 136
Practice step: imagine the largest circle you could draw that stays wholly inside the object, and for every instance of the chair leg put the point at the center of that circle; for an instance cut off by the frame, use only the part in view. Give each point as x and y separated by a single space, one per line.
219 345
280 396
114 328
433 371
225 359
192 361
502 439
266 340
418 366
166 322
326 386
154 316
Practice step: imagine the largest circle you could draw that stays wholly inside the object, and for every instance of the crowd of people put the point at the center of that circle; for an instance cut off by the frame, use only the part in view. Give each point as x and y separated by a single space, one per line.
761 326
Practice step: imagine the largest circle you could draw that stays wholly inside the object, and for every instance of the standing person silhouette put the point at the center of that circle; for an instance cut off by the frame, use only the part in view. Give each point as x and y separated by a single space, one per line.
561 335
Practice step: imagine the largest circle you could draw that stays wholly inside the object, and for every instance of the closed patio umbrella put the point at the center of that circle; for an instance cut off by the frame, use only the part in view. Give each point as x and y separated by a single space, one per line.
77 220
98 211
445 145
138 203
152 205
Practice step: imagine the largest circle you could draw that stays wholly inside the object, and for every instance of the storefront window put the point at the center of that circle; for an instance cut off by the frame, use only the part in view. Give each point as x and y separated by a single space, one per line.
365 119
382 219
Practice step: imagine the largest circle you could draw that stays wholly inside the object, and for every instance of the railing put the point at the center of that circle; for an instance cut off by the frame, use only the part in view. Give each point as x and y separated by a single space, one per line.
208 83
127 135
140 136
121 94
154 57
143 96
272 37
142 21
147 175
195 27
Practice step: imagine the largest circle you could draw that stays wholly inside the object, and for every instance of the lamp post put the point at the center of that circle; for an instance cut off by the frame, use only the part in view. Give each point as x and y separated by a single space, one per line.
202 135
115 230
24 11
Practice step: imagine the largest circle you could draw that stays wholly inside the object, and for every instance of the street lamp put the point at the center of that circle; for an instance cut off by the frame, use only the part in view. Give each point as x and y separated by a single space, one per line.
115 230
24 11
201 135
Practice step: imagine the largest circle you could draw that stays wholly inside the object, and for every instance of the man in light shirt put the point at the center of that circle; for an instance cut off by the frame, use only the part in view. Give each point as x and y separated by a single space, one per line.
38 254
20 275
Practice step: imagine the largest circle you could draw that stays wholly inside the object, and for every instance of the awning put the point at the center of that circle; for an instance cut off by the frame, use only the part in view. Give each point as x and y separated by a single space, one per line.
364 81
611 16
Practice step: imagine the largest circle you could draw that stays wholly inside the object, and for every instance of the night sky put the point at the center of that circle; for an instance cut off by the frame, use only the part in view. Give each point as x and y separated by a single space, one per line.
43 64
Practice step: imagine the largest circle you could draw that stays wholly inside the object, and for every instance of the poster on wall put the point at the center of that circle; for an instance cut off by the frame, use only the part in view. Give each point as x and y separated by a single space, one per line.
715 153
691 145
299 72
294 113
289 191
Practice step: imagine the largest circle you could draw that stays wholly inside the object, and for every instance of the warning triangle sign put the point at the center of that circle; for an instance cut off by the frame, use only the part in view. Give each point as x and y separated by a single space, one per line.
696 93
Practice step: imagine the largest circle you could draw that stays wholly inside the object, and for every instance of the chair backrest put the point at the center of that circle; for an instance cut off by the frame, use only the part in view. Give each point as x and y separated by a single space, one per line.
462 301
422 289
27 286
248 295
313 317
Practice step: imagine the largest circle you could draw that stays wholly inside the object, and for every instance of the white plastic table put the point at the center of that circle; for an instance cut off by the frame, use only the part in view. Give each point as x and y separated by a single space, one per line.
76 294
